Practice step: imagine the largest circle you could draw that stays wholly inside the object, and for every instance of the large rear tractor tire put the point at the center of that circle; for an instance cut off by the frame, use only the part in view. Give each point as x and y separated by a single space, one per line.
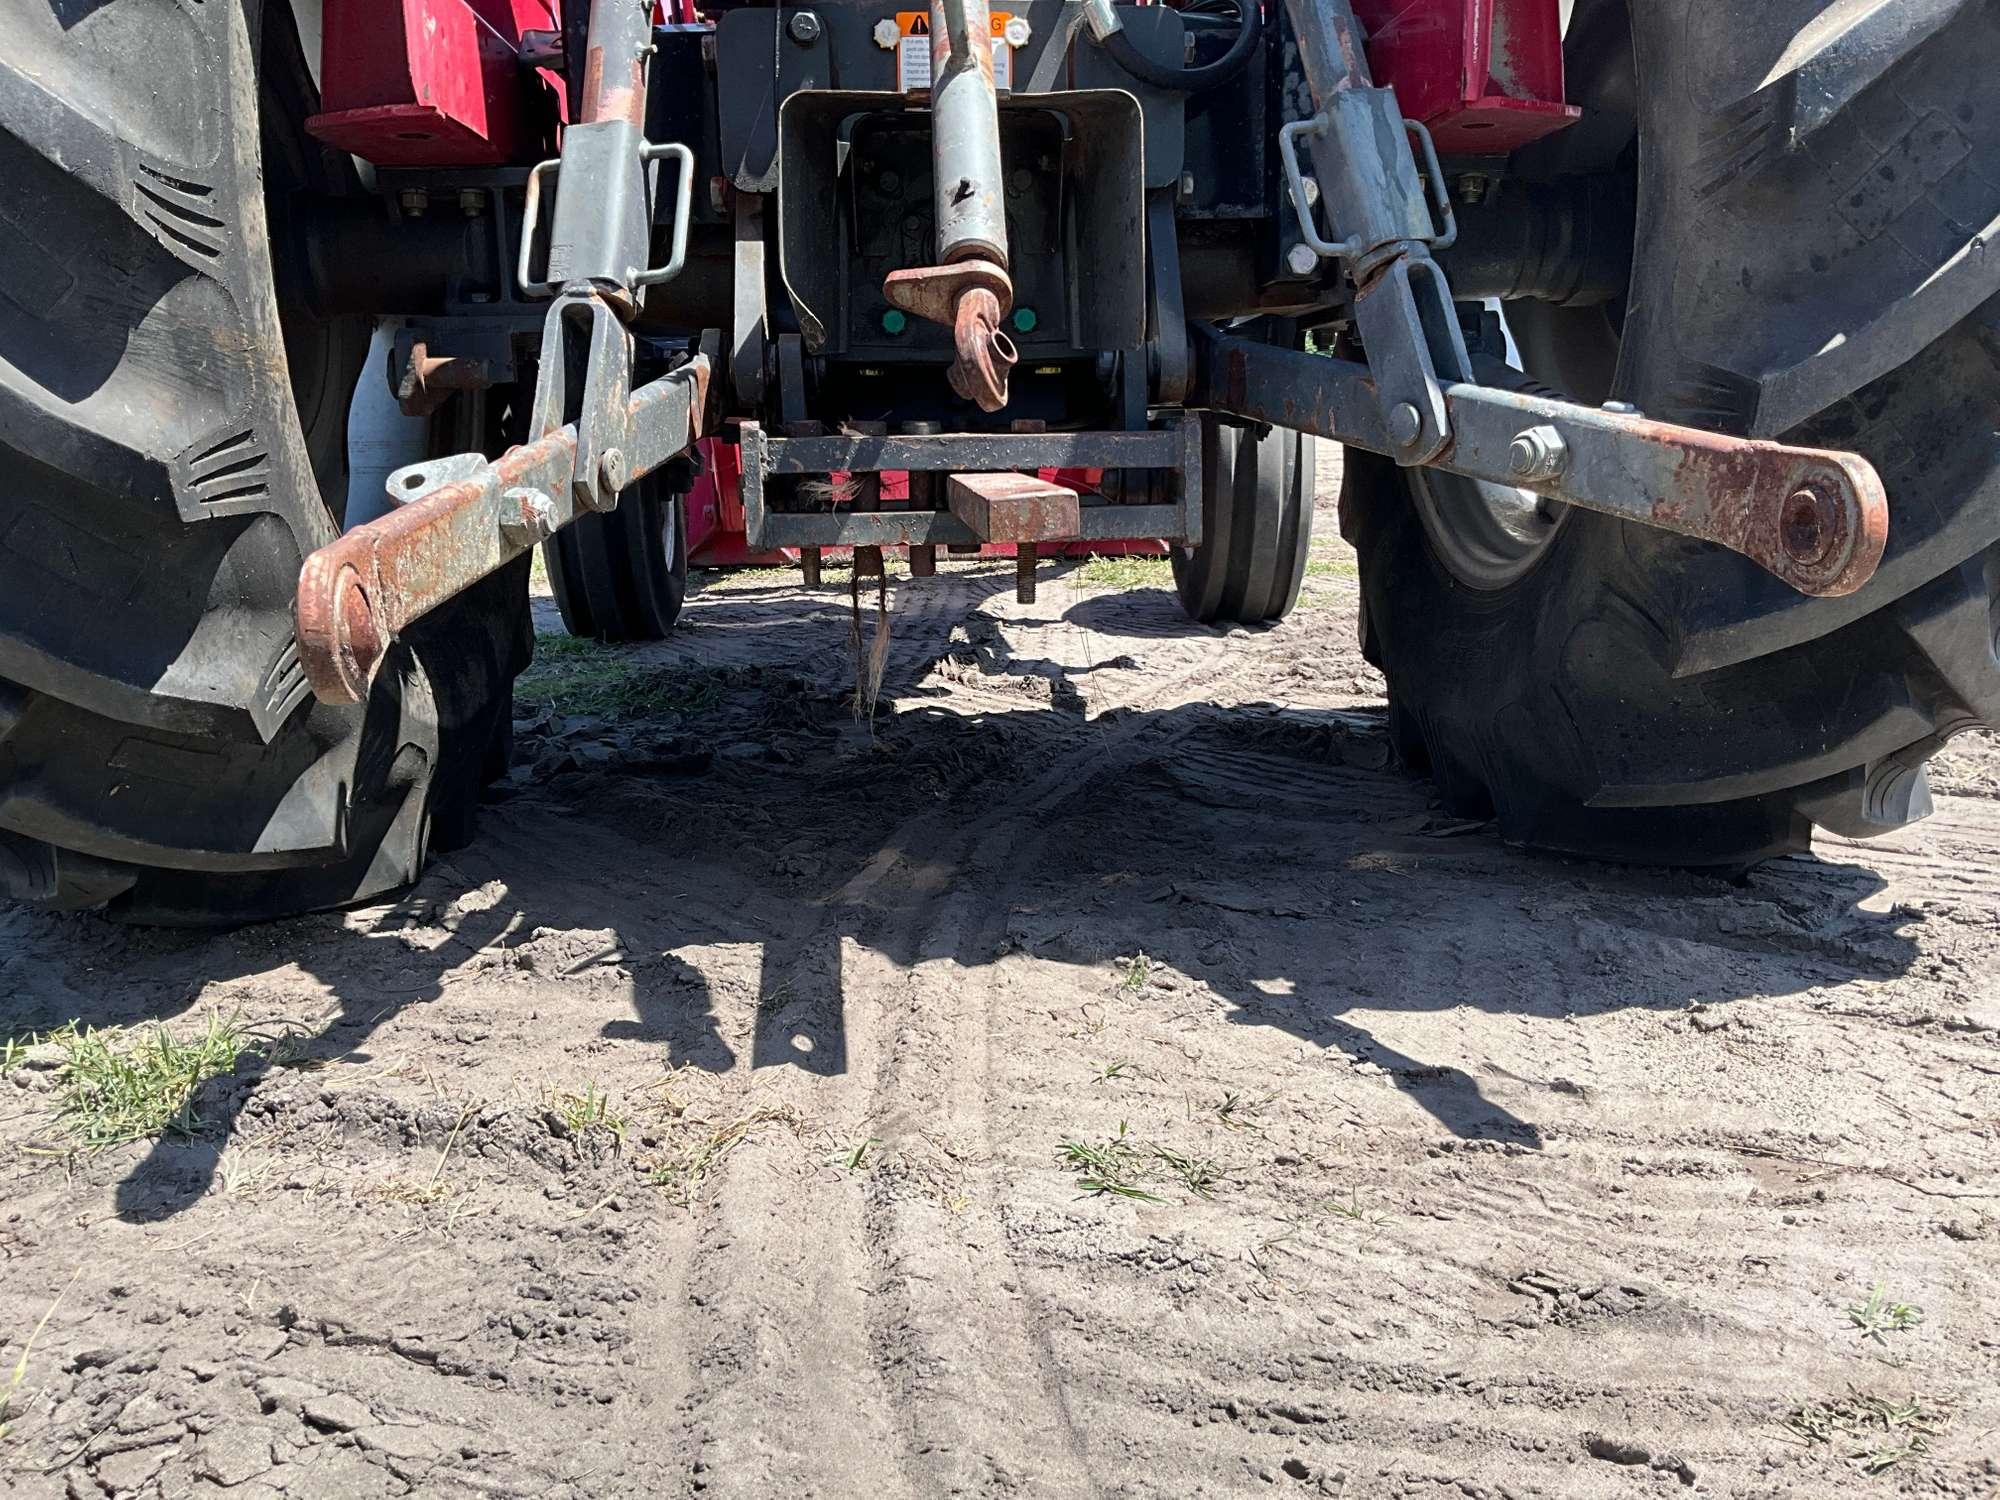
1256 525
1813 200
173 435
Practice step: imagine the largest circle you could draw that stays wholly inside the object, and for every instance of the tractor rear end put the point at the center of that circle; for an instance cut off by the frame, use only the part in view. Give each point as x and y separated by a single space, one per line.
750 281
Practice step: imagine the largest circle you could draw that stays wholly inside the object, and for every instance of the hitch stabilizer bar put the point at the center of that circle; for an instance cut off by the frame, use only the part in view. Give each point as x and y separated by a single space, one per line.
458 519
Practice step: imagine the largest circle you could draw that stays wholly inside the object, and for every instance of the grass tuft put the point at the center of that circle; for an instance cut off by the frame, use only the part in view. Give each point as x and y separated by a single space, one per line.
1129 572
587 1113
119 1087
1331 567
1110 1169
855 1158
683 1171
589 678
1354 1211
1875 1432
1238 1111
1882 1315
1121 1167
1197 1174
1134 973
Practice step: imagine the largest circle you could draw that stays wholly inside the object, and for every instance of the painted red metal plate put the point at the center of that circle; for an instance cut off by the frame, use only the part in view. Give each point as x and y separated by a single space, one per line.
423 83
1486 76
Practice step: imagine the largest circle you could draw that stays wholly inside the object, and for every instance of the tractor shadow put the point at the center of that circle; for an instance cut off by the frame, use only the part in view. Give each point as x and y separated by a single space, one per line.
1273 859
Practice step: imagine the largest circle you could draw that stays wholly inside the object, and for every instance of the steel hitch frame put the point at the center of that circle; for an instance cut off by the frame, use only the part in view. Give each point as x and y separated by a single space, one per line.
457 519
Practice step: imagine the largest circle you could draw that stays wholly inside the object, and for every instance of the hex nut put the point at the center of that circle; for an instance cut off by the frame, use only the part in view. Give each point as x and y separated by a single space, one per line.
887 34
803 28
526 516
1538 452
1302 260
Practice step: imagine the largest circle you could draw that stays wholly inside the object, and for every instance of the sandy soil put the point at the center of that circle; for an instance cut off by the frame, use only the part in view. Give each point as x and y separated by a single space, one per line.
725 1120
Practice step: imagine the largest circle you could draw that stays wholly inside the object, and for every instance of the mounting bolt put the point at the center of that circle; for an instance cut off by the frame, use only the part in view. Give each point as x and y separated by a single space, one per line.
1311 186
1538 453
1406 424
1025 554
471 202
611 470
887 34
414 201
1620 408
526 516
803 28
1808 526
1302 260
1017 32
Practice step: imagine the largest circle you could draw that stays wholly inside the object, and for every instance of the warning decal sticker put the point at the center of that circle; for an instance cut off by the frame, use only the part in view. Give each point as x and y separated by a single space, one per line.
913 52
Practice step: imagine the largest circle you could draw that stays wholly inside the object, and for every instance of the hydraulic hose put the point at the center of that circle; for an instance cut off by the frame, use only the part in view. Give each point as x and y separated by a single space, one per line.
1109 31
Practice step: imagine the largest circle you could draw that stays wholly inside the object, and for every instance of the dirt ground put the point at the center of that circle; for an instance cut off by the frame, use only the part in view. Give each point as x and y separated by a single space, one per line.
1109 1076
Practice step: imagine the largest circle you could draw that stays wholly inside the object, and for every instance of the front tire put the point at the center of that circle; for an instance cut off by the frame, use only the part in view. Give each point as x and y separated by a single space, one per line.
1256 524
622 576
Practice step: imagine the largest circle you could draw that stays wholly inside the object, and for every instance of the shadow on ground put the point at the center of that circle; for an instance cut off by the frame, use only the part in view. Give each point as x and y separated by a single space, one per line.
1271 855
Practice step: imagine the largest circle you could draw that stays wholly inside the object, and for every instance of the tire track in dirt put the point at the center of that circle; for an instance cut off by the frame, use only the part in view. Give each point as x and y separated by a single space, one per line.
955 1359
942 1247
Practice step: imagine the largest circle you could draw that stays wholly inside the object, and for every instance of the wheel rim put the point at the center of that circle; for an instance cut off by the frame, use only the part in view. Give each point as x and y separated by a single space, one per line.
1486 535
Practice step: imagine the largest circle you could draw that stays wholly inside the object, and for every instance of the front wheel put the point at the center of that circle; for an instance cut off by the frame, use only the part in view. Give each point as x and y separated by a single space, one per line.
622 576
1256 524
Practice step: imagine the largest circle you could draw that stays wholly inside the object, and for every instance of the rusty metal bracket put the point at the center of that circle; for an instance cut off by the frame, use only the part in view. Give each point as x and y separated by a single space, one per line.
463 517
1816 518
933 291
429 380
